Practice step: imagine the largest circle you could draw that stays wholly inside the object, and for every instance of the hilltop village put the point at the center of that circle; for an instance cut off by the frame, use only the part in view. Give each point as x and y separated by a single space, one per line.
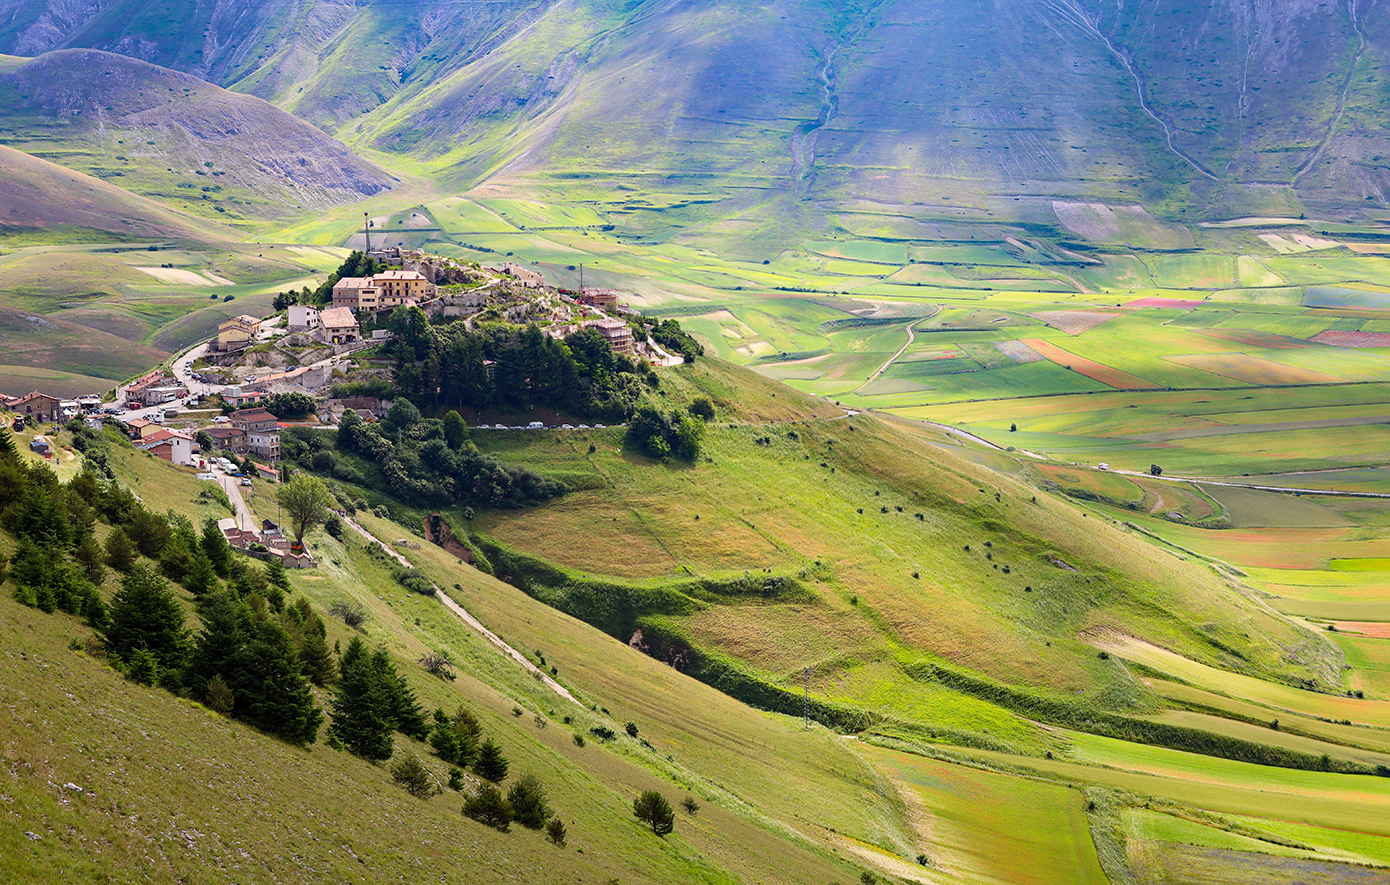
220 408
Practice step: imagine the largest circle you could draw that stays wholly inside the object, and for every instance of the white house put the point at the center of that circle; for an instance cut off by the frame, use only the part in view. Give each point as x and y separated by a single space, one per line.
303 318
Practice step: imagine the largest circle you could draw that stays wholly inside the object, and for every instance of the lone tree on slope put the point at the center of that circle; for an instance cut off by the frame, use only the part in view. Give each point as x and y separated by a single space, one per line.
306 500
652 809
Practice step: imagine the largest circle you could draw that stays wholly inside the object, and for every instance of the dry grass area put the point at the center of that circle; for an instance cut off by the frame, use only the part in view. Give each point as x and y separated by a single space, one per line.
1073 322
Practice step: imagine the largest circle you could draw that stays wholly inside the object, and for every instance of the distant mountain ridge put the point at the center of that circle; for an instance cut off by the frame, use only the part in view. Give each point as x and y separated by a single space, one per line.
912 119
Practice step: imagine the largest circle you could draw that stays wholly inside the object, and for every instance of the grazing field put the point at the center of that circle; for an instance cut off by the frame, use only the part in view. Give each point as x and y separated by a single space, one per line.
987 827
1253 370
1106 375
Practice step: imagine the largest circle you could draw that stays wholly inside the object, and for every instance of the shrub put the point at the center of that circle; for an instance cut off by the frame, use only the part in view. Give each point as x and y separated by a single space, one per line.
631 729
603 732
579 740
652 809
490 807
528 801
143 667
690 805
555 831
437 664
349 614
455 778
409 772
219 696
334 526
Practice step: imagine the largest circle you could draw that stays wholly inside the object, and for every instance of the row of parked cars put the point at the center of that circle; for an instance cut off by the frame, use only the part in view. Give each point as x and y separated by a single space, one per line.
537 425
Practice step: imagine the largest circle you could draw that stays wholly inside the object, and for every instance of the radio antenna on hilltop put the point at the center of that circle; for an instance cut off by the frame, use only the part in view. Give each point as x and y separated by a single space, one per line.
367 230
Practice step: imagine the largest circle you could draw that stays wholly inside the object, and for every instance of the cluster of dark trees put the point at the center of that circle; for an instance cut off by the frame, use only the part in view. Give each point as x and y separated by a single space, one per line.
672 435
290 406
356 265
446 367
423 462
670 335
253 657
372 704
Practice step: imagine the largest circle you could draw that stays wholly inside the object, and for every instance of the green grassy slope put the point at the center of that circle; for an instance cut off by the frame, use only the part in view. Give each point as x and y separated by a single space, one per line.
177 138
872 599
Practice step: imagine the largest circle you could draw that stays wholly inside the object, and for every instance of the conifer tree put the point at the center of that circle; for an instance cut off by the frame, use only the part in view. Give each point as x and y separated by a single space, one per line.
276 575
316 658
528 801
202 577
176 560
215 545
271 693
149 531
219 697
146 614
405 713
361 711
226 622
491 764
92 559
120 550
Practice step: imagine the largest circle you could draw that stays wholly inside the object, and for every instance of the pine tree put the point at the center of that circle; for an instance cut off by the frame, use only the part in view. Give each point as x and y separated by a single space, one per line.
120 550
412 774
361 711
202 576
405 713
149 531
491 764
316 658
146 614
652 808
271 693
275 574
555 831
93 560
489 807
176 561
219 697
528 800
215 545
226 623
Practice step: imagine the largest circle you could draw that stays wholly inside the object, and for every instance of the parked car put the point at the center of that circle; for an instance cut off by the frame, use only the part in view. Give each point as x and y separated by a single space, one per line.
566 426
245 481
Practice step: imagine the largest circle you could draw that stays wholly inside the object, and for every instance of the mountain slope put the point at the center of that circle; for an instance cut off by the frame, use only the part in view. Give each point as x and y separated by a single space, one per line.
911 119
36 195
171 135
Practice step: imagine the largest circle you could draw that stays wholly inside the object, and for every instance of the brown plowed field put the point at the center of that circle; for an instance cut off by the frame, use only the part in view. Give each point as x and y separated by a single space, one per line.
1353 339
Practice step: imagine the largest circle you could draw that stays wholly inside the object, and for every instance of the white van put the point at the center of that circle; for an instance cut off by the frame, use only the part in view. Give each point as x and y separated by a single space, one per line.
535 425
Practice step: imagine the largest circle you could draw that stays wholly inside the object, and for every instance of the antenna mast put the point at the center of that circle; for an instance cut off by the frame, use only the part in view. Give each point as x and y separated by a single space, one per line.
367 229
